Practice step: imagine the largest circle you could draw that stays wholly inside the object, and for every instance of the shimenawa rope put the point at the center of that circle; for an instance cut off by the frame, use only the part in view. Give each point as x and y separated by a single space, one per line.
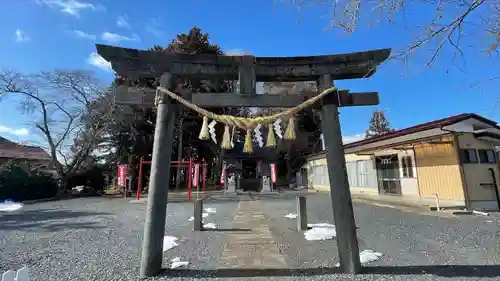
245 123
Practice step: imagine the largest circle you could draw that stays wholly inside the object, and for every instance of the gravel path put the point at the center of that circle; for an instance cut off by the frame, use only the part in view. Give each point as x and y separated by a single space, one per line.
99 239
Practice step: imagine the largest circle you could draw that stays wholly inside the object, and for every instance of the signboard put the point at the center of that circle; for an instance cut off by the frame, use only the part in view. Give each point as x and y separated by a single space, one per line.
223 174
122 175
273 173
196 178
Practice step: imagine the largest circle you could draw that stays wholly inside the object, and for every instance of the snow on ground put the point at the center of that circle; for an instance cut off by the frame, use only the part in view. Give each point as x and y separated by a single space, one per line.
204 215
367 256
291 216
169 242
210 210
9 206
320 231
210 225
176 263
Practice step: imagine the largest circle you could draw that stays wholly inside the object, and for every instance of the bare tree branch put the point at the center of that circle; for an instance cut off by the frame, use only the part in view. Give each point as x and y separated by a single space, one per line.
62 104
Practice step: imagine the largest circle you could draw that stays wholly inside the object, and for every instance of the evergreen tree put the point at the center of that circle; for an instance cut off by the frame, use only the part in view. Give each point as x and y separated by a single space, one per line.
379 125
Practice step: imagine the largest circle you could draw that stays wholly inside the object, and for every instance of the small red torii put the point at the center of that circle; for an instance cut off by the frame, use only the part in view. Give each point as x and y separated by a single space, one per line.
175 164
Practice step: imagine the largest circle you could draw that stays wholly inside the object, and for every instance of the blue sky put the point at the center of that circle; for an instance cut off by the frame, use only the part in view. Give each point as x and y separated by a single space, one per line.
47 34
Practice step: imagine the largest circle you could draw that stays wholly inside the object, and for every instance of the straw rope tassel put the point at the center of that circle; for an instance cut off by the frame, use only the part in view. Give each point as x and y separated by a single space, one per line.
243 122
232 137
290 129
247 147
204 135
271 140
226 139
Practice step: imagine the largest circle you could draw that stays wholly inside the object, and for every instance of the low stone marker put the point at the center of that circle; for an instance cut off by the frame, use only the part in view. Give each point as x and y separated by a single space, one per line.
198 215
302 213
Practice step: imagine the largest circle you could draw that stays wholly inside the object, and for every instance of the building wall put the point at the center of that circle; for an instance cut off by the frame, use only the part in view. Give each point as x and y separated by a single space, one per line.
409 183
438 169
481 197
361 174
317 174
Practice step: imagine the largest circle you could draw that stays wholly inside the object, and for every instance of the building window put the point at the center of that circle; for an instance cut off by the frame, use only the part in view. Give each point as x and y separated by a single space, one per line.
407 164
487 156
362 173
468 156
320 175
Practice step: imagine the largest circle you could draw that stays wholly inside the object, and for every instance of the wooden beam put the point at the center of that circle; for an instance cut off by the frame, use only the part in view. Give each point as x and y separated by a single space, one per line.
132 62
263 73
246 75
134 96
145 97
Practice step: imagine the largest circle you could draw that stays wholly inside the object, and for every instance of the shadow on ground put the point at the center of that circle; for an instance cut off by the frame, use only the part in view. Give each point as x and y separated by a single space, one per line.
48 219
438 270
227 229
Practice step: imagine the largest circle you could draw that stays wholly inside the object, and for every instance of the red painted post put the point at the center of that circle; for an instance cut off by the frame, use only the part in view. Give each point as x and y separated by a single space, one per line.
190 177
139 181
204 177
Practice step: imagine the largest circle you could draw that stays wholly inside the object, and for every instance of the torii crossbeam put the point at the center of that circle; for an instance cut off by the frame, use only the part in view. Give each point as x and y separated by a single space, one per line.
248 70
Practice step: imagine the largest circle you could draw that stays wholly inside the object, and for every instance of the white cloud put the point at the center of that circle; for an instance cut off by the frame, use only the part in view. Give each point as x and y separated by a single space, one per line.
122 21
83 35
96 60
236 52
21 36
353 138
12 131
154 27
115 38
71 7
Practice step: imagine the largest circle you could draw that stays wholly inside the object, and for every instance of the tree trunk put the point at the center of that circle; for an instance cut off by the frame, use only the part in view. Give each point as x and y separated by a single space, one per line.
62 185
179 155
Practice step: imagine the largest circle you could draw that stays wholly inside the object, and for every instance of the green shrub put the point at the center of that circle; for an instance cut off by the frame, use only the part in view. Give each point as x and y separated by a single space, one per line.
91 177
21 182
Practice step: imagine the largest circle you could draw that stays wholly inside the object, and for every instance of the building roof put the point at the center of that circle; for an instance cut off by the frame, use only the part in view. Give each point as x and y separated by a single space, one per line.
436 124
12 150
422 127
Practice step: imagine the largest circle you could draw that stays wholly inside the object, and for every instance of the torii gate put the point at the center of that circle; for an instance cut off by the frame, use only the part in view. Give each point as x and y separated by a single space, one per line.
248 70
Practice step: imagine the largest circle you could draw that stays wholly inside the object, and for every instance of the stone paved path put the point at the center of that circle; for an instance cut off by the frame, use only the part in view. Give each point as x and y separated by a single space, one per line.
253 245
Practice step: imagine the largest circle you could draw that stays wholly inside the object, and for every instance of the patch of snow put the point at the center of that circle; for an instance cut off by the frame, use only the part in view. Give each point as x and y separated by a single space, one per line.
210 210
169 242
210 225
367 256
320 231
204 215
291 216
176 263
9 206
480 213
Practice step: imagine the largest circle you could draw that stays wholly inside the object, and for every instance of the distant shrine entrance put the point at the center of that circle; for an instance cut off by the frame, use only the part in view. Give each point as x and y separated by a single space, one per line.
166 69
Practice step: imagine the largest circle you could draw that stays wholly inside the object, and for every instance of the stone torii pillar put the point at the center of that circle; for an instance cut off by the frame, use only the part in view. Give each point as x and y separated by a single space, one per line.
154 226
343 213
